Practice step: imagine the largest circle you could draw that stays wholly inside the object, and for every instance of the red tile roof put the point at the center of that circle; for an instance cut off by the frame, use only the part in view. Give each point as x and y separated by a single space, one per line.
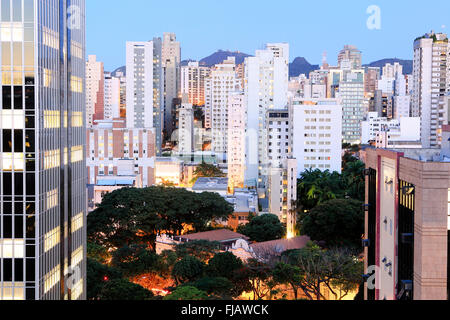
221 235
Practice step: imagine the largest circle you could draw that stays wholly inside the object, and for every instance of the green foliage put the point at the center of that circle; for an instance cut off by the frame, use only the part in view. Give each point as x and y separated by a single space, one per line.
201 249
188 293
188 269
135 216
206 170
224 265
219 287
134 260
97 252
338 222
353 179
263 228
96 273
287 274
122 289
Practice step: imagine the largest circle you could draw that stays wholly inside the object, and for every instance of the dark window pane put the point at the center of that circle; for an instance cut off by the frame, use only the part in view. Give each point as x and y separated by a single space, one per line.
30 141
7 227
18 208
6 97
30 251
29 98
7 184
30 270
18 97
31 296
7 141
30 183
7 208
18 227
29 122
30 165
18 270
18 141
18 184
7 270
30 209
30 227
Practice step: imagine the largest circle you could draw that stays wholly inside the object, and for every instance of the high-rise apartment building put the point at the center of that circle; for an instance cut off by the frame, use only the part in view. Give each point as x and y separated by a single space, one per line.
430 85
145 88
266 87
219 86
112 97
42 160
237 117
171 58
350 57
95 89
185 129
193 78
317 134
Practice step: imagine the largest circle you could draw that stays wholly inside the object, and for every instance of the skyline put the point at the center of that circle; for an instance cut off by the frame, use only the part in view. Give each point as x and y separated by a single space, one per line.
218 34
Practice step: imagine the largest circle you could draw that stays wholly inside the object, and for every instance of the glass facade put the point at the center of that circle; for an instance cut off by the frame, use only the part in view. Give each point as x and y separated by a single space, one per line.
42 175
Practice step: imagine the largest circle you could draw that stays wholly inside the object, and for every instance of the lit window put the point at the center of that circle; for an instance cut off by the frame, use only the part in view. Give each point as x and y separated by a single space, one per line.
10 248
77 154
52 239
77 222
12 161
12 119
51 279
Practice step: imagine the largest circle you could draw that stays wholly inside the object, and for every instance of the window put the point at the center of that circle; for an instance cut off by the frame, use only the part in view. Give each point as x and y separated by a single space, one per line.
10 248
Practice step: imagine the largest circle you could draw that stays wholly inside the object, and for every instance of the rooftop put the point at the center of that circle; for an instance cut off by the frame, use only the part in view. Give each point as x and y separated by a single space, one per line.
282 245
222 235
211 184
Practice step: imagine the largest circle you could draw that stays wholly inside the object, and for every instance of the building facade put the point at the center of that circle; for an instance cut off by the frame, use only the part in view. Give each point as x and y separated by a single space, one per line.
42 164
95 89
193 78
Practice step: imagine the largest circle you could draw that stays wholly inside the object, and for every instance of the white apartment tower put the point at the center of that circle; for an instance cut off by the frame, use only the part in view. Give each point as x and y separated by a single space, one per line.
94 90
430 85
219 86
193 78
316 134
237 117
171 58
266 88
185 129
145 87
112 97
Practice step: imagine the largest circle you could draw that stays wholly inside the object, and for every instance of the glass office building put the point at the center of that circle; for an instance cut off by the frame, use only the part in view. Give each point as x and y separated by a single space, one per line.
42 164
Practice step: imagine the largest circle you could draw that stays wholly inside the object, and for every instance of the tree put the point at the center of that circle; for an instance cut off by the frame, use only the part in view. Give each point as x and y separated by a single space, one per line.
338 222
287 274
97 275
316 187
135 216
188 269
97 252
202 249
122 289
206 170
338 270
259 276
135 259
224 265
354 180
187 293
219 287
263 228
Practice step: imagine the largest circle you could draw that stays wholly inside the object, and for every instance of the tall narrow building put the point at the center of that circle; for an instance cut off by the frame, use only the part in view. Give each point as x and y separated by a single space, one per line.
95 90
266 88
429 86
171 58
145 88
42 162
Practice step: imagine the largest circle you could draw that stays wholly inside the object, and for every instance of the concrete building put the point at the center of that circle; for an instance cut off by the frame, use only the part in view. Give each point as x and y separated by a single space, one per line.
169 170
372 75
193 78
237 119
351 57
185 130
430 85
407 224
316 134
95 90
145 88
115 150
266 88
219 86
171 59
392 70
217 185
112 97
43 200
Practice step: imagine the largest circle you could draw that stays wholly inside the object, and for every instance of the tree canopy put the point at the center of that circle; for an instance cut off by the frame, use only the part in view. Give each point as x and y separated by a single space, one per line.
338 222
187 293
206 170
135 216
263 228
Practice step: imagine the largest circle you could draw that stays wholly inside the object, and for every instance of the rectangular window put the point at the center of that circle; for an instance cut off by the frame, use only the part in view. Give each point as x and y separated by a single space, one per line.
10 248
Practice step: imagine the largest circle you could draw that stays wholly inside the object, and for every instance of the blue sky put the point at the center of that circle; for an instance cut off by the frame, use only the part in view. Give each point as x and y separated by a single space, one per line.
310 26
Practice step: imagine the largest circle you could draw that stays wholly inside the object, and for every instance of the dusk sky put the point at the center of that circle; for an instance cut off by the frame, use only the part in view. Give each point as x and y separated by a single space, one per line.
310 27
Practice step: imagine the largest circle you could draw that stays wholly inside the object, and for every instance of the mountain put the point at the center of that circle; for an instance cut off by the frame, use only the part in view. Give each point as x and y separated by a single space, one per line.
407 64
301 66
121 69
221 55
